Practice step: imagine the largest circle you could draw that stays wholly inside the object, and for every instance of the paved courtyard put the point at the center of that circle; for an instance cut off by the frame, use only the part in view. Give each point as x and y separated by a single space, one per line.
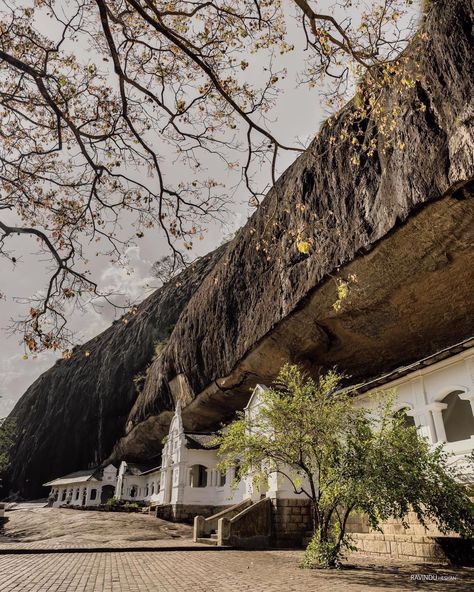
138 553
210 571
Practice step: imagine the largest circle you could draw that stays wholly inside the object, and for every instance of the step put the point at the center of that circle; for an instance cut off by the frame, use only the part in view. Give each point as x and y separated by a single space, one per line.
207 541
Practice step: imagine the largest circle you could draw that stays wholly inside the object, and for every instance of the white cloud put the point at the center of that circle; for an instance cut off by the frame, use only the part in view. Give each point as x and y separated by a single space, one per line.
16 375
132 280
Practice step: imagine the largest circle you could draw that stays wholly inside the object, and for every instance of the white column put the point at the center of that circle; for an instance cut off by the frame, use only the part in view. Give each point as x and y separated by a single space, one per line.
424 423
437 412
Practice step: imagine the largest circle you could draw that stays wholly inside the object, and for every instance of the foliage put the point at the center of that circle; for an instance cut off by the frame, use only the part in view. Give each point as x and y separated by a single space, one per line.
8 431
97 94
131 505
112 502
327 552
139 381
159 347
344 459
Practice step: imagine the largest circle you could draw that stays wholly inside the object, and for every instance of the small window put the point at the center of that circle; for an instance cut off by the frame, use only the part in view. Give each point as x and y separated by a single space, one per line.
63 495
152 488
407 420
93 494
133 491
198 476
457 418
237 471
222 478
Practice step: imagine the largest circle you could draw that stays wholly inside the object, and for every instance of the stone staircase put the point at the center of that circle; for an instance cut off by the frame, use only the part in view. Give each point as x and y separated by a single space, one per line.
208 540
206 529
245 525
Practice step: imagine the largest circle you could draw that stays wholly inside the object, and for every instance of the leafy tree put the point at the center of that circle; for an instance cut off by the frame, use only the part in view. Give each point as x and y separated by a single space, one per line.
344 459
7 439
96 94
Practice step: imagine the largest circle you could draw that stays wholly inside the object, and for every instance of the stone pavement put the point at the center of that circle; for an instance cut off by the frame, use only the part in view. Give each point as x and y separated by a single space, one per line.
54 528
213 571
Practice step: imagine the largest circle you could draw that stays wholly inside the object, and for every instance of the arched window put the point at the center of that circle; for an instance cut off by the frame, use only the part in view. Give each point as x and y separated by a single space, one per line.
152 487
133 491
198 476
63 495
237 471
146 490
407 420
457 417
222 477
93 495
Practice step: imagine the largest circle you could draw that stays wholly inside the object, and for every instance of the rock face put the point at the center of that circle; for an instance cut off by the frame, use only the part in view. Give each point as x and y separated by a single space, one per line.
75 412
397 228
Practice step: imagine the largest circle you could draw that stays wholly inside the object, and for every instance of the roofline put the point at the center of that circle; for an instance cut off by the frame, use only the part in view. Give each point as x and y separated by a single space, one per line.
200 433
72 480
258 387
402 371
155 469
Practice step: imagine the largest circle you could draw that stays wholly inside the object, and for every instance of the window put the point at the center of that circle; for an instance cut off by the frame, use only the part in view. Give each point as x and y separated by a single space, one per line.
408 421
198 476
221 480
237 471
93 495
133 491
146 490
457 418
63 495
152 488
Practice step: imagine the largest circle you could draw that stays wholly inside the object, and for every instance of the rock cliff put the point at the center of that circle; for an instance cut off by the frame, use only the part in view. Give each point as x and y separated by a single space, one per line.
396 229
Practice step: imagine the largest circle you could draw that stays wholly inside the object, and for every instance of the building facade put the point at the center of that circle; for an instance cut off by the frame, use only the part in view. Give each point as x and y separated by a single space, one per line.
437 394
90 487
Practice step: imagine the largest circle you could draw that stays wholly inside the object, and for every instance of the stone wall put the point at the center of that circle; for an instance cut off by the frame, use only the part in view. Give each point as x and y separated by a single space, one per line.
291 519
185 513
358 523
424 549
415 543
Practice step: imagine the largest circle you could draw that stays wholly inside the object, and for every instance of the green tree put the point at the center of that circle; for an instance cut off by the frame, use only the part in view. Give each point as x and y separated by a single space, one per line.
344 459
7 439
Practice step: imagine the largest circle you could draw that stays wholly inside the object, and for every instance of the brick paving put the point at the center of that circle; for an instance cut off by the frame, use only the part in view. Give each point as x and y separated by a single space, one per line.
212 571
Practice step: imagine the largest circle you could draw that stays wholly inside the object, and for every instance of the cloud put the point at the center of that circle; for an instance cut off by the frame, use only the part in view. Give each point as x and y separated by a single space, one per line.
131 280
16 375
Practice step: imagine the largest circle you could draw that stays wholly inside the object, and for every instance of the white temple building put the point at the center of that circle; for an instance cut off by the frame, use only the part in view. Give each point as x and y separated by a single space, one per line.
187 479
437 393
90 487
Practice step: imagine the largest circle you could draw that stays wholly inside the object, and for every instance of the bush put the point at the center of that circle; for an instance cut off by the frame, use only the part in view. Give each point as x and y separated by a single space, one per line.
322 553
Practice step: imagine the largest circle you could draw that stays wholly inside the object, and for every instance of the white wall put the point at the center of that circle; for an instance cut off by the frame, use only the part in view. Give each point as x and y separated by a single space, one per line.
422 393
69 492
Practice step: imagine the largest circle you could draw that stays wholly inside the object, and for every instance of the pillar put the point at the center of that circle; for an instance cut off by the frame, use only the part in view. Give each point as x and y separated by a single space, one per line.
437 413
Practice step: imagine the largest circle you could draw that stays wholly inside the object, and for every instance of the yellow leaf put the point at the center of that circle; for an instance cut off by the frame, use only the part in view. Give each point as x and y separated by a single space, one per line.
303 246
